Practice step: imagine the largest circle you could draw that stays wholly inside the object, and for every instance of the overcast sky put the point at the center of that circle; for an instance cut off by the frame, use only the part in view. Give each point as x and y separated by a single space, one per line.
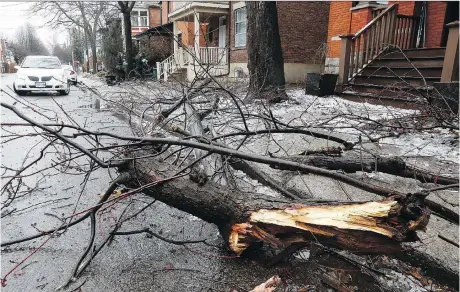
15 14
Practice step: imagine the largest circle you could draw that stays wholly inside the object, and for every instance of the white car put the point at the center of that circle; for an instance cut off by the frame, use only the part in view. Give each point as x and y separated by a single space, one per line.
41 74
71 74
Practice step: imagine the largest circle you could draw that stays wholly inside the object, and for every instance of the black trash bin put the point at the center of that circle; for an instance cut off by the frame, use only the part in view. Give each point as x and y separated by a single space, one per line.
320 84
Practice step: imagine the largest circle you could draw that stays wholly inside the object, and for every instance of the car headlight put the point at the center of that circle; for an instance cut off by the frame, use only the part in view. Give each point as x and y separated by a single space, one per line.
59 77
21 76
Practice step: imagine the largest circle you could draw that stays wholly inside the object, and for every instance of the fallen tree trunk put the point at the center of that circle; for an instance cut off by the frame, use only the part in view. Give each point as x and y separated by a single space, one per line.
243 218
246 219
351 163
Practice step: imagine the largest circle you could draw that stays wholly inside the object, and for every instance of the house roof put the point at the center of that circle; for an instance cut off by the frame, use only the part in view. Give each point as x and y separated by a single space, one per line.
164 30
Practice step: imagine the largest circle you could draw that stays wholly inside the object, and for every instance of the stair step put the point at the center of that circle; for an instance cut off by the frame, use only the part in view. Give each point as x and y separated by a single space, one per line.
398 92
382 100
402 71
388 80
402 62
424 52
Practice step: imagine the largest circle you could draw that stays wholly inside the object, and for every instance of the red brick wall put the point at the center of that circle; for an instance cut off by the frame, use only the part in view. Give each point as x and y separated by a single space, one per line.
436 12
302 26
154 16
164 12
237 55
359 19
405 7
339 24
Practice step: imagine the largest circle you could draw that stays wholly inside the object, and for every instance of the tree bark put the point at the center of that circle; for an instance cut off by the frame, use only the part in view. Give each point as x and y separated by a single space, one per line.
128 41
351 163
86 49
247 219
265 56
126 8
94 53
244 218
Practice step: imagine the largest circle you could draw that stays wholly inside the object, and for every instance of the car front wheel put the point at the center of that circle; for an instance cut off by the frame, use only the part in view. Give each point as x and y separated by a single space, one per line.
65 92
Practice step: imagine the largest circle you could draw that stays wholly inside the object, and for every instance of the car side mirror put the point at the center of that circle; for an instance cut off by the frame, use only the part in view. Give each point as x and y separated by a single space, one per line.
17 67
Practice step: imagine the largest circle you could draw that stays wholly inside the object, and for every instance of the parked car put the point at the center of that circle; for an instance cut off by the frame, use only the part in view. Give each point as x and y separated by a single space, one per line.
41 74
71 74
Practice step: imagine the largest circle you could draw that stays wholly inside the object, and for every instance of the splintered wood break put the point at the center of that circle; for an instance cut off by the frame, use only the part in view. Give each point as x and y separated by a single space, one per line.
357 217
372 226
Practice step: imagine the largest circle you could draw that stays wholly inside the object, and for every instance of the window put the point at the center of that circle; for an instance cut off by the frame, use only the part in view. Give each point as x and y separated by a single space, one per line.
179 39
240 27
143 19
139 18
134 18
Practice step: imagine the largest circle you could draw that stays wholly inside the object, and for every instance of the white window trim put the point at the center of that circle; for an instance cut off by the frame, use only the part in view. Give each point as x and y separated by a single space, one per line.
235 34
238 5
139 17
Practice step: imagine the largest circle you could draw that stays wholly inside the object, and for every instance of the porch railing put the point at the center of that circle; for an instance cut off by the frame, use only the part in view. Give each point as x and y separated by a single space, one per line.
406 31
213 55
173 63
184 56
387 29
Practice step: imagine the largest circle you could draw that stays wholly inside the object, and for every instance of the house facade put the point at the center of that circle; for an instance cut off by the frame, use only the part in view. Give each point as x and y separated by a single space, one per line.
6 58
349 17
401 51
3 63
302 28
211 36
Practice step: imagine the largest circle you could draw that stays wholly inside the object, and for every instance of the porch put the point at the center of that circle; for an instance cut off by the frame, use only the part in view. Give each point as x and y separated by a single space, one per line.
385 59
200 41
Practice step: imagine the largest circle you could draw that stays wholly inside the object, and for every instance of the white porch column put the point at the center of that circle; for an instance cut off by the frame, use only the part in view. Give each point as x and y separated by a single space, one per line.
158 71
175 37
197 34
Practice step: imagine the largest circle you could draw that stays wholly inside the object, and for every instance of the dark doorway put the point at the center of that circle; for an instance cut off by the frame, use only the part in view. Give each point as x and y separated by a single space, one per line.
451 15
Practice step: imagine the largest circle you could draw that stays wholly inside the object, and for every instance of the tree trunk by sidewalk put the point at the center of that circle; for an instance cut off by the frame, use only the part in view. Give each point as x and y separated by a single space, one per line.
126 8
94 53
265 56
86 50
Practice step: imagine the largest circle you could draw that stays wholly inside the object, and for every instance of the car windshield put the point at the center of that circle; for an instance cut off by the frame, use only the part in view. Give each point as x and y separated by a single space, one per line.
44 63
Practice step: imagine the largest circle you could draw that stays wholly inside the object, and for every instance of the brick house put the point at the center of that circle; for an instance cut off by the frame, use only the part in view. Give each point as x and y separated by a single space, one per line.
374 44
213 35
3 63
349 17
302 27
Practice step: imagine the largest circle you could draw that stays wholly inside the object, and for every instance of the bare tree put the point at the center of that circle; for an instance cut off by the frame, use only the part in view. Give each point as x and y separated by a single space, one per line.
74 13
126 7
265 56
26 42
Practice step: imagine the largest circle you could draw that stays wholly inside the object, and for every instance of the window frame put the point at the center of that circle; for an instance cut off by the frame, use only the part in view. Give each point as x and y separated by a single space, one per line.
136 16
245 21
144 17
